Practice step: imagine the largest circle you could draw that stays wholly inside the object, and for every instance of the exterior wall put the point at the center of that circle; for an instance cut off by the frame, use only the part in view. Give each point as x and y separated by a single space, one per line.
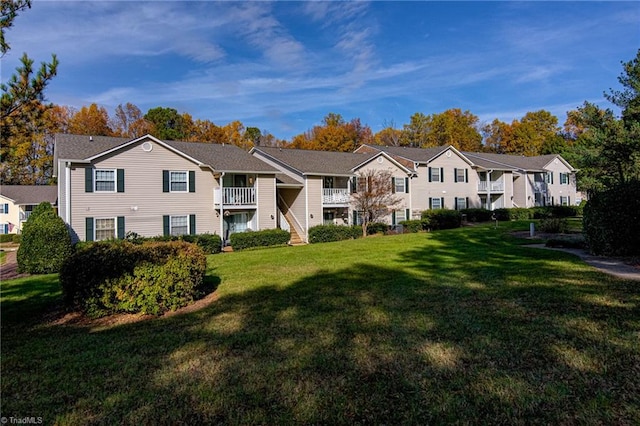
520 182
143 203
556 189
396 172
419 186
266 201
313 188
508 189
12 216
449 189
62 190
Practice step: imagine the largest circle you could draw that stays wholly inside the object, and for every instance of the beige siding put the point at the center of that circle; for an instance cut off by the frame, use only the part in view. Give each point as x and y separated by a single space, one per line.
556 190
313 188
450 189
519 195
143 203
266 201
62 190
386 165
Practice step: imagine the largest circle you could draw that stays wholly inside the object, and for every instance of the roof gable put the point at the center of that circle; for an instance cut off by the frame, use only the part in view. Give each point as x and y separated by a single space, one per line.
30 194
316 163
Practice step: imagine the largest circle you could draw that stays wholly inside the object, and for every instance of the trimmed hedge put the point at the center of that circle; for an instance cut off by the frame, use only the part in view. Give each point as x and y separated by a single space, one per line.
611 221
554 225
413 226
517 213
442 219
265 238
376 228
6 238
329 233
45 243
119 276
210 243
477 215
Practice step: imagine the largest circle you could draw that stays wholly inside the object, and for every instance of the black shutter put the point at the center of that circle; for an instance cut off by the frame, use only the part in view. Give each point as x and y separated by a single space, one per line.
120 180
393 185
466 175
120 227
429 176
165 226
88 180
430 204
89 229
407 214
455 175
393 217
441 174
406 185
466 202
192 224
192 181
354 184
455 203
165 181
442 202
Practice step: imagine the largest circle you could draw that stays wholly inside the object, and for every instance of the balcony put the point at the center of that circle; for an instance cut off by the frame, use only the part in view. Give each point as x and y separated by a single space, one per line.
540 187
493 186
333 196
234 196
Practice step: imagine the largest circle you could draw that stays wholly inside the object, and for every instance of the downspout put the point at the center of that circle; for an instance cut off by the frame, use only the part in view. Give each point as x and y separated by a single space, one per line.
526 191
489 189
306 209
67 201
222 208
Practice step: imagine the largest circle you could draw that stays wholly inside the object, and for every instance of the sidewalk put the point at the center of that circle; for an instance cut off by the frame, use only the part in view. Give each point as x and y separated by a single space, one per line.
608 265
9 270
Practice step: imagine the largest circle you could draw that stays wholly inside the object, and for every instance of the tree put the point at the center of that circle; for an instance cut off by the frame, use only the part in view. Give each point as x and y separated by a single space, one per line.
24 90
167 122
130 122
91 120
389 135
335 134
46 242
454 127
536 133
414 134
374 197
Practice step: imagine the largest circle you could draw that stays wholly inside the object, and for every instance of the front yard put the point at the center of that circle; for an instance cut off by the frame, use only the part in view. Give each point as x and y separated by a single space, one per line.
459 326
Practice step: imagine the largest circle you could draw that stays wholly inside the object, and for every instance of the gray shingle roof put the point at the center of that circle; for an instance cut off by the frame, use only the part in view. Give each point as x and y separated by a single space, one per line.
309 162
224 158
505 161
30 194
419 155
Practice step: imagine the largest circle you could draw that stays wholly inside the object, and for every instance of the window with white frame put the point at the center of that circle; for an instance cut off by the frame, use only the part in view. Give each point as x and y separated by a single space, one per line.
399 185
549 177
105 229
105 180
564 178
400 215
4 207
435 174
179 225
564 201
461 175
435 203
461 203
178 181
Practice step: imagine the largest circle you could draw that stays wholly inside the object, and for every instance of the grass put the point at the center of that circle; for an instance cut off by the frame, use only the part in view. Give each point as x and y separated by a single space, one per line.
460 326
3 257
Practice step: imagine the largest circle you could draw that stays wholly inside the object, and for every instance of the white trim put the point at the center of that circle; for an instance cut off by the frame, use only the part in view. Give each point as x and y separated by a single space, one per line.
95 227
95 181
186 172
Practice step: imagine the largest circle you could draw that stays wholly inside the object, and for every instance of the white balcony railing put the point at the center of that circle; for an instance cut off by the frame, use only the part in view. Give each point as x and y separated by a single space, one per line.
235 196
335 196
495 186
539 187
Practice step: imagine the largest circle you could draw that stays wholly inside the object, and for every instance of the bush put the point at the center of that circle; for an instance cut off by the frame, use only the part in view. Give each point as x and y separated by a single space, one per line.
553 225
517 213
210 243
265 238
376 228
6 238
17 238
477 215
119 276
442 219
413 226
328 233
45 243
576 241
611 221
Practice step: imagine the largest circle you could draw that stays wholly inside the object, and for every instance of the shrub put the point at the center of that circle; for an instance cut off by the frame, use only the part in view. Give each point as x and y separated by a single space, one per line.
6 238
210 243
517 213
553 225
265 238
119 276
413 226
376 228
45 243
477 215
328 233
442 219
17 238
576 241
611 220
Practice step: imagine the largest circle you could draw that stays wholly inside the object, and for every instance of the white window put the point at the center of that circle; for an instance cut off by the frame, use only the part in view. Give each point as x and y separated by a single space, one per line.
178 181
436 203
461 175
179 225
399 185
4 208
564 178
105 229
550 177
401 215
461 203
435 174
564 201
105 180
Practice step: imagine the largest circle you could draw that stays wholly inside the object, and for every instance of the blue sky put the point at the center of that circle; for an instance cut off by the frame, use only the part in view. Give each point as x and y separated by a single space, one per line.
283 66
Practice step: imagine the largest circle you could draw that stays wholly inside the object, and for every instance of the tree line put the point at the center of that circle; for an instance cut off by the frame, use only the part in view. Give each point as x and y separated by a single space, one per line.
605 147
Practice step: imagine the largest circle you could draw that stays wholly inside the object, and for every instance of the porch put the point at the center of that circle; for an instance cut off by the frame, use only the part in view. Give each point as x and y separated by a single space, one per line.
234 196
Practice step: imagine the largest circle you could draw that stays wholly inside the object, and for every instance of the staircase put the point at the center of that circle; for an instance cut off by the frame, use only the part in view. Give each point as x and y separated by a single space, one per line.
296 238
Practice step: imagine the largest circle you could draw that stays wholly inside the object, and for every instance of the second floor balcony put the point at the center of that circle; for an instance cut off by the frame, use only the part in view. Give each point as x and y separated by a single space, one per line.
234 196
493 186
335 196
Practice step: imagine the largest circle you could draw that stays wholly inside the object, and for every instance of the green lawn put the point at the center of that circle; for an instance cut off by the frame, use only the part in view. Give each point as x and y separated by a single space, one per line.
461 326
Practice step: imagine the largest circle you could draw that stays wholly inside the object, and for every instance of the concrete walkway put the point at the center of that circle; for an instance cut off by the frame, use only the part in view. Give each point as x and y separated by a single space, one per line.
9 270
608 265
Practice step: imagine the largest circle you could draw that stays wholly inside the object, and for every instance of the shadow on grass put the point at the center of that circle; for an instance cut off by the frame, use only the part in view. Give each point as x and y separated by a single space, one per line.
469 331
